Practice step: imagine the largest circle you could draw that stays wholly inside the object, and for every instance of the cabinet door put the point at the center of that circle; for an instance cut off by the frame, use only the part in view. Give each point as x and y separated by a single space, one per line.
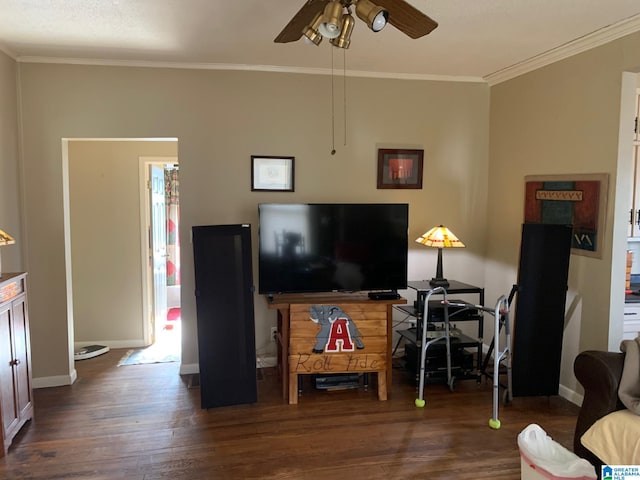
10 412
22 357
637 125
634 212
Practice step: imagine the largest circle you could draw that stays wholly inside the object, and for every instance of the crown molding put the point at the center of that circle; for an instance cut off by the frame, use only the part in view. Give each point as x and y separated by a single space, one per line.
255 68
9 53
587 42
599 37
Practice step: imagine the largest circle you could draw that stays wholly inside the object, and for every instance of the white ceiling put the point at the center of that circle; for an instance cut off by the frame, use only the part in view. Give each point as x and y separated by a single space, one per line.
475 39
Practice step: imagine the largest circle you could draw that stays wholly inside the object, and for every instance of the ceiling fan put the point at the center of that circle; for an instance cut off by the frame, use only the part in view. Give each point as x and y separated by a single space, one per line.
318 19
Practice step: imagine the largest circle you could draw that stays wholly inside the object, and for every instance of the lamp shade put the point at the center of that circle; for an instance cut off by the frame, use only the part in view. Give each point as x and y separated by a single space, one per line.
440 237
6 239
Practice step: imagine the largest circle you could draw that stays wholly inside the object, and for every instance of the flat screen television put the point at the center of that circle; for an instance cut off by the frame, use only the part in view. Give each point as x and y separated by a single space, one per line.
327 247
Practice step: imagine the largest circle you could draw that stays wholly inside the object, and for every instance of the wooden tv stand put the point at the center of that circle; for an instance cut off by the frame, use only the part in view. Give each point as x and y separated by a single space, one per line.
298 338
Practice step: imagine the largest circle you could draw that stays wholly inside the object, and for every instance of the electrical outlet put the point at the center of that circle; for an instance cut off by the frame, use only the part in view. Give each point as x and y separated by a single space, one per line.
274 333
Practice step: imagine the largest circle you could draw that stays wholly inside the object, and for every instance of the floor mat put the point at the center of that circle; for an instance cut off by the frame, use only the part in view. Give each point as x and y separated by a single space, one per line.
148 355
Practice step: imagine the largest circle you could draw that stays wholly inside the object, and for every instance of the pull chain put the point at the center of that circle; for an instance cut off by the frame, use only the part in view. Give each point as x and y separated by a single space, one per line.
344 79
333 115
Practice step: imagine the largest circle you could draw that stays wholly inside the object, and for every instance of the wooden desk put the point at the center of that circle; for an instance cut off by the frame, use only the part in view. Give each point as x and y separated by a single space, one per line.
298 337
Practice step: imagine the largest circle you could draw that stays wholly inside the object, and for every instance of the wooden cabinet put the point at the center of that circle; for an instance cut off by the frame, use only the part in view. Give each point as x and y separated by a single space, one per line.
333 333
16 400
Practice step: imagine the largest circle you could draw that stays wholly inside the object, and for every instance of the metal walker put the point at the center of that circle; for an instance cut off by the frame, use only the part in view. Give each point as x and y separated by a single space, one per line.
501 317
501 314
424 344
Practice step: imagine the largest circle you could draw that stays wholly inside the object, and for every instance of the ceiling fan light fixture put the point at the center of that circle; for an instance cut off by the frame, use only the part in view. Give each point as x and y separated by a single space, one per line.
331 22
311 33
373 15
344 39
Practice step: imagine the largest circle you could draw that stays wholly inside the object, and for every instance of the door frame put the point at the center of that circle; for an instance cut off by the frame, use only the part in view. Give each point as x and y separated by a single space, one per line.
148 325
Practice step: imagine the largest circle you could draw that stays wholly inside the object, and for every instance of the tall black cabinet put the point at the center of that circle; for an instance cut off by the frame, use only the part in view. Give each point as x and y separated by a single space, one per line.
540 307
225 314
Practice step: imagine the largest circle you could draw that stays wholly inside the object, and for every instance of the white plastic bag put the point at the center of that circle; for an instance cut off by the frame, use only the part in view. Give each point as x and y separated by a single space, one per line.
540 450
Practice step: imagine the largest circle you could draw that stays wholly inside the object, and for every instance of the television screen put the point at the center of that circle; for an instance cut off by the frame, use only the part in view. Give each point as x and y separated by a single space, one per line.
323 247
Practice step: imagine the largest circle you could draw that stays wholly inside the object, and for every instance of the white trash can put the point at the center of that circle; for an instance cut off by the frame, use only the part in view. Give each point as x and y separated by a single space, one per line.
541 458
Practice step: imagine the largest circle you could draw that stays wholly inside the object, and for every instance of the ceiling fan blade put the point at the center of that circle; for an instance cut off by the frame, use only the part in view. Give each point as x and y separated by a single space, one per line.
406 18
293 30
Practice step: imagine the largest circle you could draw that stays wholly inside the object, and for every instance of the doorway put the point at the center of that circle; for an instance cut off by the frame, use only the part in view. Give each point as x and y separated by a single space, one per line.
107 241
160 188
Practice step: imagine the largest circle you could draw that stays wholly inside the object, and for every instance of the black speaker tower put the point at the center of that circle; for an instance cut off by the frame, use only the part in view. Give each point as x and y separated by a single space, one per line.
225 314
540 307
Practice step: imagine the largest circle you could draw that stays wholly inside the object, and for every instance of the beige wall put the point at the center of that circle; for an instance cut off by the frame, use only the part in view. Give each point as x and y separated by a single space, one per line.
565 118
105 218
10 220
220 119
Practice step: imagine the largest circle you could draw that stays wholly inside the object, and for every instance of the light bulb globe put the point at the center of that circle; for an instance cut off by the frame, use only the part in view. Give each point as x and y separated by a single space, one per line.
329 30
379 22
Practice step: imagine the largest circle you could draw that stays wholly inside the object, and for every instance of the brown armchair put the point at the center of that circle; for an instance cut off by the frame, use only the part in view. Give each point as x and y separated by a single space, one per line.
599 373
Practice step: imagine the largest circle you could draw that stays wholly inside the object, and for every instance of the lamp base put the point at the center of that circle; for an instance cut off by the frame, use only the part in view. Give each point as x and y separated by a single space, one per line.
439 282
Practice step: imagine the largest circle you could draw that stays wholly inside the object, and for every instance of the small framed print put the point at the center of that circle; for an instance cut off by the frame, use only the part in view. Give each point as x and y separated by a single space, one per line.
272 174
400 168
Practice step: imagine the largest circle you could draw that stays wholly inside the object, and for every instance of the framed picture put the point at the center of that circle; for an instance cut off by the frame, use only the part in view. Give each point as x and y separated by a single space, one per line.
578 200
272 174
400 168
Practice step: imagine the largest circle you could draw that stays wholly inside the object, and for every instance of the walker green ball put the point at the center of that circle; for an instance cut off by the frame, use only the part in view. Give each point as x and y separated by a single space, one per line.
495 424
420 403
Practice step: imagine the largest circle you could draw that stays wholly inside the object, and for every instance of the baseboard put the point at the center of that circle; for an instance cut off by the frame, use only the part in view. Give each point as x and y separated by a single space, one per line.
55 381
62 380
565 392
572 396
266 362
193 368
189 368
112 344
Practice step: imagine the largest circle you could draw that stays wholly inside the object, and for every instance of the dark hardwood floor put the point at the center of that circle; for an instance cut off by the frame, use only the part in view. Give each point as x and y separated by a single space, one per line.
143 422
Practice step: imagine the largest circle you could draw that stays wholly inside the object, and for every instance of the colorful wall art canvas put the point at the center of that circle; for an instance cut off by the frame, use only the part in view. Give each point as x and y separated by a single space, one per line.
577 200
